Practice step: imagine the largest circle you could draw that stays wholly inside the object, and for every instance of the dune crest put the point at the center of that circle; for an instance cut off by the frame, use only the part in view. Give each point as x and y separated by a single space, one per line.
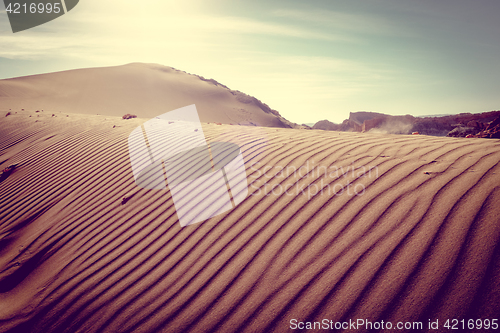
141 89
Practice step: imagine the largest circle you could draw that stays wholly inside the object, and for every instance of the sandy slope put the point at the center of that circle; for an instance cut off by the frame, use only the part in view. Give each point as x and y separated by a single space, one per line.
145 90
418 242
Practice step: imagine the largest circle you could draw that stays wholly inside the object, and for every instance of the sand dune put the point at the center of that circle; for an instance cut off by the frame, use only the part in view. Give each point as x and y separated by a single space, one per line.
145 90
337 226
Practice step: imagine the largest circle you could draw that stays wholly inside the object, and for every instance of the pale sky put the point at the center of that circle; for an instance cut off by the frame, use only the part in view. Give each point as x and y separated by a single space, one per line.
309 60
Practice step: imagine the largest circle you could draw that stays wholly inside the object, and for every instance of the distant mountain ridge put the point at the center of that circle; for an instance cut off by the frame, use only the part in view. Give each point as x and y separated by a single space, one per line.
438 126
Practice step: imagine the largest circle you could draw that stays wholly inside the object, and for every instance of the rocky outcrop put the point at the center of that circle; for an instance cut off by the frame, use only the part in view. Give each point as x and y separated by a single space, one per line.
490 130
352 125
373 123
429 127
361 116
462 132
327 126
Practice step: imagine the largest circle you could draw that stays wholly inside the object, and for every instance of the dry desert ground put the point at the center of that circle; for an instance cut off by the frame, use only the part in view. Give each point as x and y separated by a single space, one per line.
337 226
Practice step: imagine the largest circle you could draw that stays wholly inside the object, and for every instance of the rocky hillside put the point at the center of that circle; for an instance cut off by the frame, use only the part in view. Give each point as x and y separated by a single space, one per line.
483 125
